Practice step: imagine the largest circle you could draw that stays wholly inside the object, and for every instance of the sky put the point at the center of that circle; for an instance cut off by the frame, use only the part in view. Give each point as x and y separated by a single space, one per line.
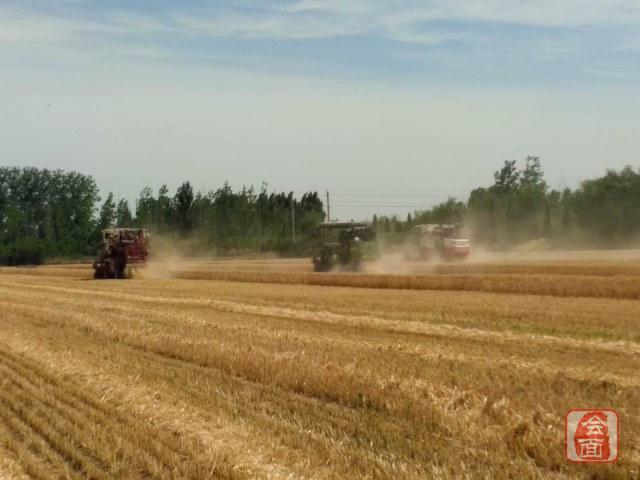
391 106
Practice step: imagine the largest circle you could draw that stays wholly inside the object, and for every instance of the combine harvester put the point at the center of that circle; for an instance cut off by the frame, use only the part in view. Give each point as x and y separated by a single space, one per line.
121 248
345 246
440 241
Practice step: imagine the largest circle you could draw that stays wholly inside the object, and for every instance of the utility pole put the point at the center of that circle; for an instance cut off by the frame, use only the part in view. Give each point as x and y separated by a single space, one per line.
293 221
328 208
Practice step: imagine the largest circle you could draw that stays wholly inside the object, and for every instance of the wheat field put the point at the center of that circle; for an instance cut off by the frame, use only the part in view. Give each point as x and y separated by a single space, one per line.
262 369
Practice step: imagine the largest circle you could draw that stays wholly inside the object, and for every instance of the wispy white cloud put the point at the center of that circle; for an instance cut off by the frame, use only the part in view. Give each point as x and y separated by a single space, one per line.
344 7
413 35
393 88
30 31
468 30
272 25
401 20
32 27
549 13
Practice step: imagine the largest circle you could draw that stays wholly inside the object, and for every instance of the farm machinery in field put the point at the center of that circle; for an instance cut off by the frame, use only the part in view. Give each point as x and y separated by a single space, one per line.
439 241
121 248
345 245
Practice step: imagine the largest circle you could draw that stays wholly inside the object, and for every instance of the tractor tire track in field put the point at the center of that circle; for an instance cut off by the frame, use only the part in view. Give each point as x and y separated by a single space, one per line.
400 333
250 374
327 392
175 346
560 285
572 284
533 369
368 321
167 412
58 430
256 458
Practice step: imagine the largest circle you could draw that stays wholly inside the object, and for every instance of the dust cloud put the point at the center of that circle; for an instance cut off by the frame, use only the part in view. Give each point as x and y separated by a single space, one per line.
166 257
398 263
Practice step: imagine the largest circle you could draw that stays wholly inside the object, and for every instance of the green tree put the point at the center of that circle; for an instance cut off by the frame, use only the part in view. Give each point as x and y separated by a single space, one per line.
146 207
163 211
507 178
532 174
107 213
609 207
123 214
44 213
183 208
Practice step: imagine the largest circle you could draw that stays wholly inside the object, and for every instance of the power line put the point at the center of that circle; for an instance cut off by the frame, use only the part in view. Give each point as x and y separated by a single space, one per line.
394 201
377 205
399 196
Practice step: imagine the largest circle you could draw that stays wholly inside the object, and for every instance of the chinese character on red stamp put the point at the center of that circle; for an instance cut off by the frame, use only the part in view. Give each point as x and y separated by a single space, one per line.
592 436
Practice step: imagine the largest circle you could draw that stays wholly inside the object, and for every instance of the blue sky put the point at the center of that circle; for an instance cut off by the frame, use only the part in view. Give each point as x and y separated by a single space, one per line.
394 104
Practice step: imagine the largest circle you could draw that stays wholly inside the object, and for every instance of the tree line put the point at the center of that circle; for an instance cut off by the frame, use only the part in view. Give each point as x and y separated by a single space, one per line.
519 207
228 220
56 214
52 213
45 213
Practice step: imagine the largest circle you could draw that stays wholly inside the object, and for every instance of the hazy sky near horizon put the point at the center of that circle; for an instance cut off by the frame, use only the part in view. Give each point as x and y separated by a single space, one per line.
390 105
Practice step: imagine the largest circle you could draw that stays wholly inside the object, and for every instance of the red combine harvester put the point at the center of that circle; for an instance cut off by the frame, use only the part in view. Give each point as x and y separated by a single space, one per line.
443 241
121 248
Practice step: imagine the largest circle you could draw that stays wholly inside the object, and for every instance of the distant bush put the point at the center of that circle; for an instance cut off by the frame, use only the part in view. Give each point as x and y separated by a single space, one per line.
26 251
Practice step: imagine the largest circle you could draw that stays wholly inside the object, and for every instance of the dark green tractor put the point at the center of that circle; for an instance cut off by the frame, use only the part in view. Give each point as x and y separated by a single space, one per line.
345 246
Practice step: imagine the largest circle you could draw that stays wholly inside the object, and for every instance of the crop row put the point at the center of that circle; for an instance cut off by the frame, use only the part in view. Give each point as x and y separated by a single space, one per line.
55 429
556 285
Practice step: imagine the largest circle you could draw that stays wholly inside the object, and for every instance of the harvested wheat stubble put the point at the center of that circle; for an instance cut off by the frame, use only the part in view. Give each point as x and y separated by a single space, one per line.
584 268
556 285
320 382
55 429
66 271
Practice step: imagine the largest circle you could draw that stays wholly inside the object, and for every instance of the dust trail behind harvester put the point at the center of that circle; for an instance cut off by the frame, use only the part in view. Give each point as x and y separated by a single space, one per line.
395 262
390 263
399 263
166 257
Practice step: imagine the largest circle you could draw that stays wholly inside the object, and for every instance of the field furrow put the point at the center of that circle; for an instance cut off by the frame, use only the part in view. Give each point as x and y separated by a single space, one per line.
623 284
534 284
59 431
181 378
